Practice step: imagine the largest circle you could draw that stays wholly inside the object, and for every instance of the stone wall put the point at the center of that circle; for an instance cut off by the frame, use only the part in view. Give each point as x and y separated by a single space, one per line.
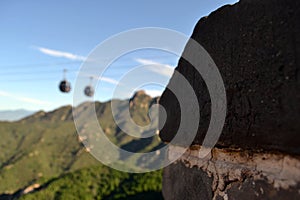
256 46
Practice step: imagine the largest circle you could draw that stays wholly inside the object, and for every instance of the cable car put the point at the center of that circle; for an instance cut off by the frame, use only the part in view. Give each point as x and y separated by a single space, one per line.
64 85
89 90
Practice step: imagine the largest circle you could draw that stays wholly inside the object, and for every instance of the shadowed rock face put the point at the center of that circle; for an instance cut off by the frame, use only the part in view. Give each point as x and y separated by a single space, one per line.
180 182
177 182
256 46
232 174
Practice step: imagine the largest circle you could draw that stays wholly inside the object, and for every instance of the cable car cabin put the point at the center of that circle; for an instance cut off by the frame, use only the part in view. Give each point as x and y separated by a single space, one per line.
65 86
89 91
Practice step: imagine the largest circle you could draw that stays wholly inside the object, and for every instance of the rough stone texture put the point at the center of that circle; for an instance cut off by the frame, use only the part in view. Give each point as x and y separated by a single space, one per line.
177 181
250 189
180 183
232 174
256 46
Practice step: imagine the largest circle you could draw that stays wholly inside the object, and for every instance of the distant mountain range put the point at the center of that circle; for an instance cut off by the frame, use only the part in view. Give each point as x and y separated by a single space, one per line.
14 115
42 157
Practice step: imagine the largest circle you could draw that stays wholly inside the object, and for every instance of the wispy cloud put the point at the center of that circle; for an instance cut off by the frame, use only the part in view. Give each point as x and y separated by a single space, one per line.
24 99
163 69
104 79
62 54
109 80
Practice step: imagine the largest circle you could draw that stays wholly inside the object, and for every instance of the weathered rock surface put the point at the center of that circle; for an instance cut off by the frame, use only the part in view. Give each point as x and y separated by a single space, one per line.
182 183
231 174
177 182
256 46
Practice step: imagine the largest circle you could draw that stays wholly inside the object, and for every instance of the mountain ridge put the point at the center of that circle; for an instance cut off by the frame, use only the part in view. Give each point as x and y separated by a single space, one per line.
46 144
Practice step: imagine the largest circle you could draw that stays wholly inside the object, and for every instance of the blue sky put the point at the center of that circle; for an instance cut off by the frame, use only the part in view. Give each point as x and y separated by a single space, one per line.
41 38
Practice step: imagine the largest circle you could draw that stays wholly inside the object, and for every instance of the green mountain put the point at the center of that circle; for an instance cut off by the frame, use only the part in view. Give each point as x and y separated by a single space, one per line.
100 183
42 154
